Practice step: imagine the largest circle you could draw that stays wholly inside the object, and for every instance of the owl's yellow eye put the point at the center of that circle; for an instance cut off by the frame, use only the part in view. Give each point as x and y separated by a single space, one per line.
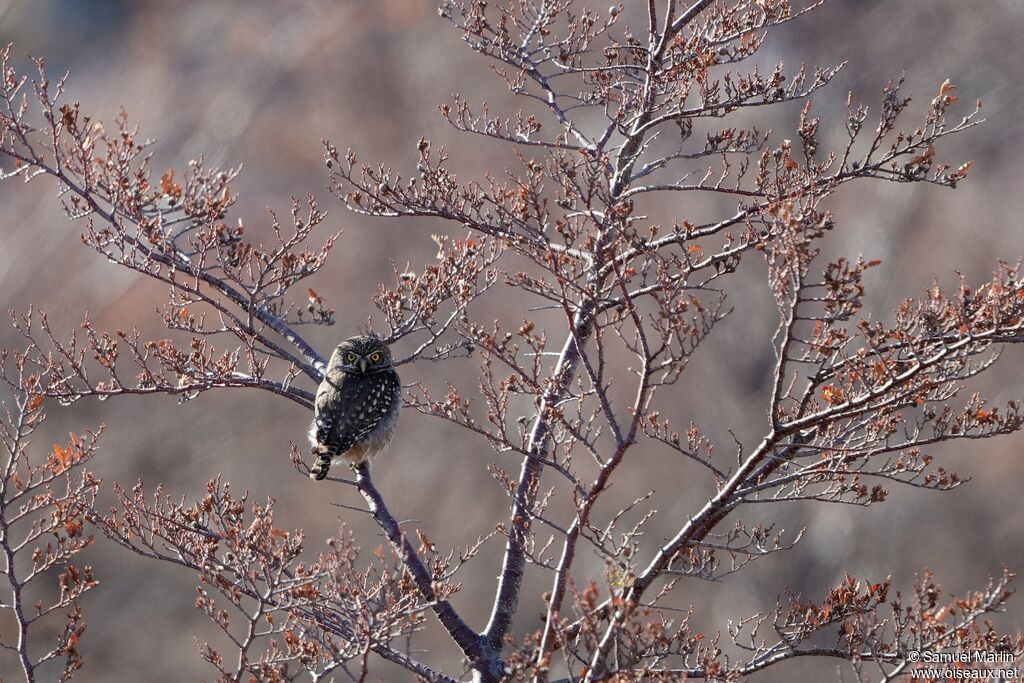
375 357
351 358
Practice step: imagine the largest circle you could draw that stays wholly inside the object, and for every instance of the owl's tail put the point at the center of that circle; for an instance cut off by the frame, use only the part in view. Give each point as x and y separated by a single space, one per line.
320 467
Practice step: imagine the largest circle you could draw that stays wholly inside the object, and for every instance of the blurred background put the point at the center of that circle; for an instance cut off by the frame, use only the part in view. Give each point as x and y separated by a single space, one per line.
260 82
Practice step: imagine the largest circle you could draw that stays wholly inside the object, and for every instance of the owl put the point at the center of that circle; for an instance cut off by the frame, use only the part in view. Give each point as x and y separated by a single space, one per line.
356 405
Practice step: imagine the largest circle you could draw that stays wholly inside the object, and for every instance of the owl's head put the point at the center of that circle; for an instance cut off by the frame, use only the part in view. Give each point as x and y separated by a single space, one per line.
362 355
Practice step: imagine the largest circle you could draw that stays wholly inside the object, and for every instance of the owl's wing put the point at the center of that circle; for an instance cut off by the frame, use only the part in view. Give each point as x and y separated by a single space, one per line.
349 409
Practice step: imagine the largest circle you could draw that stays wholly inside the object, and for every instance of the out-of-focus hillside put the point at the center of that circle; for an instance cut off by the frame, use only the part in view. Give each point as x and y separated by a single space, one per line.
260 82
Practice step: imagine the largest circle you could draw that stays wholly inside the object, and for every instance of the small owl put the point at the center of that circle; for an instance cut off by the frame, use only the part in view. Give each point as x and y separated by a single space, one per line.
357 405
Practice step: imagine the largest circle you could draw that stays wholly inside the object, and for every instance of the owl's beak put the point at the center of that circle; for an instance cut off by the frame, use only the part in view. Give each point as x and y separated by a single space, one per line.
364 365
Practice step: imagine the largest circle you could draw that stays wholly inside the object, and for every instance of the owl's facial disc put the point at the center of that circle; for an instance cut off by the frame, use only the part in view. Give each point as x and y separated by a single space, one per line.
363 355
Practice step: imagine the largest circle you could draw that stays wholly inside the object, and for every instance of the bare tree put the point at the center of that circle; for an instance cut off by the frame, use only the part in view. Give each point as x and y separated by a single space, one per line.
45 498
611 117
